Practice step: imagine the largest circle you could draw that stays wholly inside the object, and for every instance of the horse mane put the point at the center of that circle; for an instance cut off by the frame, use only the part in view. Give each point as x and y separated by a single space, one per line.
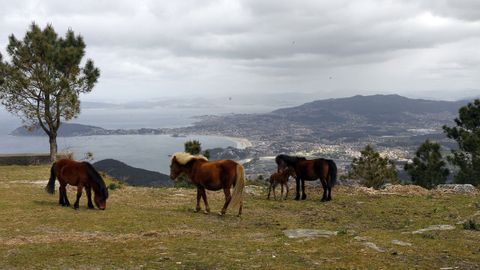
98 179
183 157
289 160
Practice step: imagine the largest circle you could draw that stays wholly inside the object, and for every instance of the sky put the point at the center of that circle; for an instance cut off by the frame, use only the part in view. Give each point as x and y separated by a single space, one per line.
149 50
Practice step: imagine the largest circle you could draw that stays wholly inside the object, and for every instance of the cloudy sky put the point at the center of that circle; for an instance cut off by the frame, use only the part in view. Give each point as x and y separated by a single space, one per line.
154 49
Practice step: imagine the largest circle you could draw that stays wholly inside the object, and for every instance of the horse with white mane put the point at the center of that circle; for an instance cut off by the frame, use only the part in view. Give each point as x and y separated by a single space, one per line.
211 175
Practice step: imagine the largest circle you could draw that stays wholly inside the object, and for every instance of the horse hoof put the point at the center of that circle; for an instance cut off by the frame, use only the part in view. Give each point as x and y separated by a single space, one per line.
206 212
221 214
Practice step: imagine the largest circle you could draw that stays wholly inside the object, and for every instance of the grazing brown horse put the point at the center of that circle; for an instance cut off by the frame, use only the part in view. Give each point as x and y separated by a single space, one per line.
310 170
82 175
211 175
282 179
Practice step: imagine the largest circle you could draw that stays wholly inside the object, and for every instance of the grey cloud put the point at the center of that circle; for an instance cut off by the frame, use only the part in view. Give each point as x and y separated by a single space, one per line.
208 44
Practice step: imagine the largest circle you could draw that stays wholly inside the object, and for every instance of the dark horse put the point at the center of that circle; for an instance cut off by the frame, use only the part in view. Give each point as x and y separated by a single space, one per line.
211 175
310 170
82 175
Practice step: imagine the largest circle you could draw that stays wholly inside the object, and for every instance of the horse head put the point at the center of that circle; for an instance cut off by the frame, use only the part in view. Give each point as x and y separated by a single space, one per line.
175 169
100 198
290 172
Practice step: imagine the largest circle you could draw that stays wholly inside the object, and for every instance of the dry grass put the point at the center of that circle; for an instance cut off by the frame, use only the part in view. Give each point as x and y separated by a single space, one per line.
157 228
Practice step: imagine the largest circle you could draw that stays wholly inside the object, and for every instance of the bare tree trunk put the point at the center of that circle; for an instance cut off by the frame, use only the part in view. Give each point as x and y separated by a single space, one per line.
53 147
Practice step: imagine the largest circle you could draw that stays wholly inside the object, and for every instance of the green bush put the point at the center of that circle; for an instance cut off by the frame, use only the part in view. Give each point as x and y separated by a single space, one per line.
471 224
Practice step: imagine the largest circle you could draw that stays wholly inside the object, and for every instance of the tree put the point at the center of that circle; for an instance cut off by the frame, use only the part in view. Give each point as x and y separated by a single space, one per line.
372 170
43 79
193 147
467 135
428 168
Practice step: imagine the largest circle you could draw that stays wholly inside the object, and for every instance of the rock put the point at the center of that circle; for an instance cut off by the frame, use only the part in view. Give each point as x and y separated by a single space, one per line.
299 233
386 186
254 190
441 227
360 238
457 188
373 246
370 245
401 243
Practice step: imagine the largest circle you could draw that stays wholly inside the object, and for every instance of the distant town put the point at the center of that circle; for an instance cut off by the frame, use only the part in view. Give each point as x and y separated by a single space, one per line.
336 128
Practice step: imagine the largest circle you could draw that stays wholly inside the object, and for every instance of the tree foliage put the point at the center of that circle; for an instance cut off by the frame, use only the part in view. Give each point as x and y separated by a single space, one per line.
373 170
428 167
467 134
194 147
43 79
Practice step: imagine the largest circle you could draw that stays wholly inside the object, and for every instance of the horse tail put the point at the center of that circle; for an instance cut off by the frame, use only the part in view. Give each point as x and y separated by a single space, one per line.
237 196
50 188
332 171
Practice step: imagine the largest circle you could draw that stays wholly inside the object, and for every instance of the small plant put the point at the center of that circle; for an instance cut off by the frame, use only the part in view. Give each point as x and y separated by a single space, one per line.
114 186
88 156
183 182
471 224
428 235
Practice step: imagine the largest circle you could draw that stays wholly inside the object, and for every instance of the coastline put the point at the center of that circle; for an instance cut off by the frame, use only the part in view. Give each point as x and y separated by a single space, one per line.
241 143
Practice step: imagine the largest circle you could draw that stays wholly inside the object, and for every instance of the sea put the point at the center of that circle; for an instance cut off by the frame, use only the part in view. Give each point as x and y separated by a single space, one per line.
151 152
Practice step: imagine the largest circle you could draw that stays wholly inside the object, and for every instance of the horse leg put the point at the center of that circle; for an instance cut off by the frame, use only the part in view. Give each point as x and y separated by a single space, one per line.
89 197
63 190
297 182
79 194
269 190
286 186
281 193
204 195
228 198
329 189
274 195
61 200
324 185
304 195
199 196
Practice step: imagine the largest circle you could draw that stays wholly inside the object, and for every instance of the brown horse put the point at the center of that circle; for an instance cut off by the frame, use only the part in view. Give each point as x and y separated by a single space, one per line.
82 175
310 170
282 179
211 175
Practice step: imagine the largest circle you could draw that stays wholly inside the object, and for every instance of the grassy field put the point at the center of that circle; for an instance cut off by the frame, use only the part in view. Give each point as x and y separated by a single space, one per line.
157 228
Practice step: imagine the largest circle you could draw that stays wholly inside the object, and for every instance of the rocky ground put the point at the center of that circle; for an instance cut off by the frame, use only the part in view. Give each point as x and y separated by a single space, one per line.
399 227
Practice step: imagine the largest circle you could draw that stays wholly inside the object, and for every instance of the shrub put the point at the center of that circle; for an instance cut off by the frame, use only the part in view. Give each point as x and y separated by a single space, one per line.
373 170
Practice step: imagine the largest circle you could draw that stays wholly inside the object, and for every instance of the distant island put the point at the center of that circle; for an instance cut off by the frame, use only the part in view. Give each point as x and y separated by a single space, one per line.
73 130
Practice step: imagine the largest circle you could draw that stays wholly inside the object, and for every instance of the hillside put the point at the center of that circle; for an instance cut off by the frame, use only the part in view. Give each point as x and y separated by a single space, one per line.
339 120
131 175
376 109
156 228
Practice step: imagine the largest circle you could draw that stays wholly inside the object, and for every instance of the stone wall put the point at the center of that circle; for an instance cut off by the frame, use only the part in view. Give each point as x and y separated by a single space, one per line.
26 159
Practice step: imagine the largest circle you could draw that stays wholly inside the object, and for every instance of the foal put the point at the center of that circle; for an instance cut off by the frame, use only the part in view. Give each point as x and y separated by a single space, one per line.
282 179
